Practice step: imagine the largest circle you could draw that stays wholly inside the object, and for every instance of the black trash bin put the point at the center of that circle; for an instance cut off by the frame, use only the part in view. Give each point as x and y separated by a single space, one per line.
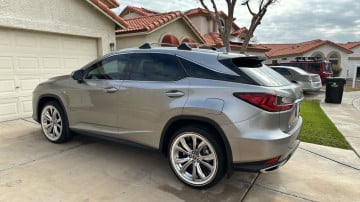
334 90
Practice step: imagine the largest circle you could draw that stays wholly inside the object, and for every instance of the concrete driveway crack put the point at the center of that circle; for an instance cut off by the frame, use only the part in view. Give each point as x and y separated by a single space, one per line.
344 164
251 185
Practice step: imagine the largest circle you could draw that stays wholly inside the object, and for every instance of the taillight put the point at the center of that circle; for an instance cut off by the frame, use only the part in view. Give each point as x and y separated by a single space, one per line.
268 102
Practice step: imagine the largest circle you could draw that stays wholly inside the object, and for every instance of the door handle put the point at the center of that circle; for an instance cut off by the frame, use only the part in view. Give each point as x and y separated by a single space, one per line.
175 93
111 90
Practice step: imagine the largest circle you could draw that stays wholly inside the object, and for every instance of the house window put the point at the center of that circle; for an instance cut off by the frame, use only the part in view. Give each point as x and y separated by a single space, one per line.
169 40
283 58
274 62
334 59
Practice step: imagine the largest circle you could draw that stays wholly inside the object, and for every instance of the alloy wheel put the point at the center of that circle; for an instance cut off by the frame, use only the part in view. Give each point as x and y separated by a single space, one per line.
51 123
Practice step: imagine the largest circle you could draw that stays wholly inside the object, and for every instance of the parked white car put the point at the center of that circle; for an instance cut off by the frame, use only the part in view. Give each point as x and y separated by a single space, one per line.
307 81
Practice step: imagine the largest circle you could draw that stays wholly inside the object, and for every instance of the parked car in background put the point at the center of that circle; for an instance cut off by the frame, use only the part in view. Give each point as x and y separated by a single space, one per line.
312 65
307 81
208 112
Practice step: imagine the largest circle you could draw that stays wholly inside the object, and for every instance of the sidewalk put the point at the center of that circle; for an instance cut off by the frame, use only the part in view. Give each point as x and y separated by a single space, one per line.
346 117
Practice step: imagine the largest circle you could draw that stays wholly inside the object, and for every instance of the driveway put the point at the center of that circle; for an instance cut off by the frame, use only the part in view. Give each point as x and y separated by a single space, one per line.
88 169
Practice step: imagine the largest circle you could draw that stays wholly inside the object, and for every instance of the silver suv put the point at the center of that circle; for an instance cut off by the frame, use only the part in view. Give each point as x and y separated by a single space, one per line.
209 112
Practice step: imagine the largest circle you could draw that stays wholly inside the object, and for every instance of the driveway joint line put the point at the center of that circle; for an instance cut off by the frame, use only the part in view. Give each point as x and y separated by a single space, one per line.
251 185
344 164
284 193
27 162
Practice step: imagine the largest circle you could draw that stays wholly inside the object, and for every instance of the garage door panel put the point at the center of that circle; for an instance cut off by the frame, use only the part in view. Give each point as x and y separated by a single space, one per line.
50 42
7 87
51 63
6 63
28 63
32 57
26 106
5 38
26 40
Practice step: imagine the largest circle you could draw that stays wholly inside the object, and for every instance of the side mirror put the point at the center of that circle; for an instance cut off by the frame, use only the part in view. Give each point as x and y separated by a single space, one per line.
78 75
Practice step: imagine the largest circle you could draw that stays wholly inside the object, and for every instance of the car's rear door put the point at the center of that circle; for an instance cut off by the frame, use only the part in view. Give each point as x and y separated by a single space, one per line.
156 91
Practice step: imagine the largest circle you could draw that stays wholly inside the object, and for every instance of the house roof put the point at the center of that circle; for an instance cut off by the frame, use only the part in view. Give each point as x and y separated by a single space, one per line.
110 3
281 50
202 11
108 12
350 45
213 39
151 22
140 11
241 32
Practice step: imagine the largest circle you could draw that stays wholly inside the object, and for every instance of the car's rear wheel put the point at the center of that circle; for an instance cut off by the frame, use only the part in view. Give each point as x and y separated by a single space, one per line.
196 157
54 123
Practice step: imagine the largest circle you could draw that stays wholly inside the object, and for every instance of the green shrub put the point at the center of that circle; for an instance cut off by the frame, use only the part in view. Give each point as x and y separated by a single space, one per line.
336 70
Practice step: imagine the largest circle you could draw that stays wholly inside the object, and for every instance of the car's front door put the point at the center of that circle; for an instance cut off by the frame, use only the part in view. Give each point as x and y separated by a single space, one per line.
99 96
156 91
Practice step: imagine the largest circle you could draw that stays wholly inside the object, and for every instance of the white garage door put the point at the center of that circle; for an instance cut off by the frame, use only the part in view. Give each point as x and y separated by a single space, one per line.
27 58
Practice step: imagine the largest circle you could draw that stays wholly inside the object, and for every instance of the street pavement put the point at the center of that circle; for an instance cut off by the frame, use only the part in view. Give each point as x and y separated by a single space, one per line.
88 169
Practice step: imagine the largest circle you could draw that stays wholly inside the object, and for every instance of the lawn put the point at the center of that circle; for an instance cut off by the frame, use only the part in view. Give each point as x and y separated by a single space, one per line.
317 127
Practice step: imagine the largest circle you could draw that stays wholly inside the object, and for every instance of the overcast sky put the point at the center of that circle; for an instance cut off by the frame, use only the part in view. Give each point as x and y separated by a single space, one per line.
288 21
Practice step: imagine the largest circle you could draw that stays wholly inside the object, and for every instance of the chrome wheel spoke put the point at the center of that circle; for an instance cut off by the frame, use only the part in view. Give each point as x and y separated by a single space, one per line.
185 145
208 165
181 150
193 175
185 166
47 116
200 172
182 160
207 157
201 145
193 137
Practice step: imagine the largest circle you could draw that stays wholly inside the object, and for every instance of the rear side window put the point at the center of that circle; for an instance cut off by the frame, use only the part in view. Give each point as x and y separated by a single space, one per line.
253 68
314 67
299 65
282 71
198 71
156 67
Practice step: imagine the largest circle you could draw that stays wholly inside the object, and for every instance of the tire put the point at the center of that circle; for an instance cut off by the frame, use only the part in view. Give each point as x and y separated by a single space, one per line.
206 159
54 123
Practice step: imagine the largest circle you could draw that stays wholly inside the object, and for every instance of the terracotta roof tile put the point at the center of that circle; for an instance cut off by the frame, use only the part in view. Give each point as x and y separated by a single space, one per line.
108 11
280 50
140 11
251 47
241 32
148 23
350 45
111 3
213 39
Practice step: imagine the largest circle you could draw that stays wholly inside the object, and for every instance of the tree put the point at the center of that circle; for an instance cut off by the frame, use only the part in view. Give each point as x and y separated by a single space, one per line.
255 20
224 30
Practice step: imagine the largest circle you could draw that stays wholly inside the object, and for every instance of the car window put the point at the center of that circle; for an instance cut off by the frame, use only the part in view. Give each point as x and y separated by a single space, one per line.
198 71
315 67
112 68
299 65
156 67
282 71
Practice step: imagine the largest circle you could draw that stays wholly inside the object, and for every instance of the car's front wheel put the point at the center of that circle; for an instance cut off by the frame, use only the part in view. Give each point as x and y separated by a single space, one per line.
196 157
54 123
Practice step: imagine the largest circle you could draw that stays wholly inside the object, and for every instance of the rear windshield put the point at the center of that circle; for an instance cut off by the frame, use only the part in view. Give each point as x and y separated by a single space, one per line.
253 68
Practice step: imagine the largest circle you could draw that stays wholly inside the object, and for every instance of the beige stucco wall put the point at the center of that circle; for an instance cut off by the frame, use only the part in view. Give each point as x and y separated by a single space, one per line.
74 17
177 28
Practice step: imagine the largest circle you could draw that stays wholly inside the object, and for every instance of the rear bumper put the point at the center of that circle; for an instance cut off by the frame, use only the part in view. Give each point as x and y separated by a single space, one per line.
262 167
